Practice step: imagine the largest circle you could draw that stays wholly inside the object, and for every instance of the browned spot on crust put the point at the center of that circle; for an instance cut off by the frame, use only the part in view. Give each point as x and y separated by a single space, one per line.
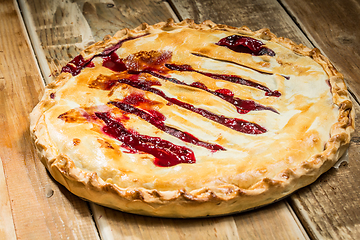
143 60
136 195
288 68
104 144
265 64
155 193
73 116
76 141
102 82
113 81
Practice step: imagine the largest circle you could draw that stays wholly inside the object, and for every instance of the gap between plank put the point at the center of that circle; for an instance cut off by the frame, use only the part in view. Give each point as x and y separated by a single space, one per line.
354 97
32 50
173 10
93 218
175 15
294 19
297 220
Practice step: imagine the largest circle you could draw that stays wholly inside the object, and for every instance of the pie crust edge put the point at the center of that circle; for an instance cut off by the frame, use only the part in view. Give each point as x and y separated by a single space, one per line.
205 201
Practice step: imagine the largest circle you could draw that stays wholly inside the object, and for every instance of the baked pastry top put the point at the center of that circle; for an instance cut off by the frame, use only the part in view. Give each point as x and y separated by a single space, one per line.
190 120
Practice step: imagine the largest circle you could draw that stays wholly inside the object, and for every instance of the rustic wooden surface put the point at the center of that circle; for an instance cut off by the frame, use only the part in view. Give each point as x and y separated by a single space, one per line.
7 228
253 14
272 222
36 207
335 31
59 30
36 213
330 207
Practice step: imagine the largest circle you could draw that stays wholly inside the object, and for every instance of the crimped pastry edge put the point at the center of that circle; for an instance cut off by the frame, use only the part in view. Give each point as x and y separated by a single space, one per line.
220 200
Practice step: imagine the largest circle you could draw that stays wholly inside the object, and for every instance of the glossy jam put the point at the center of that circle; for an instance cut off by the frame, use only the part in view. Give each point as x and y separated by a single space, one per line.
76 65
166 153
114 63
242 106
157 119
133 80
134 74
229 78
115 47
245 45
233 123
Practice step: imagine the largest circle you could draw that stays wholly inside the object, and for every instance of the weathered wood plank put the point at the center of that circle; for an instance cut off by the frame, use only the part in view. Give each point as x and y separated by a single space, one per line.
41 209
253 14
108 17
276 221
330 207
335 31
250 225
7 229
59 30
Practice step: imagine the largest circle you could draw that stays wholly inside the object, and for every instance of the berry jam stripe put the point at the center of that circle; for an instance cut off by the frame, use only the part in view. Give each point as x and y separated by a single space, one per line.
78 63
115 47
232 123
116 64
242 44
166 153
157 120
229 78
242 106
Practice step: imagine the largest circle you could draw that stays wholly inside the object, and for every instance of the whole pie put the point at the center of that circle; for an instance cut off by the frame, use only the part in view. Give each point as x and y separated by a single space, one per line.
192 120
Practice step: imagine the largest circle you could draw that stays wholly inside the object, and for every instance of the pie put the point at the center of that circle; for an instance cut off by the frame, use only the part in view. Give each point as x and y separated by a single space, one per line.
191 120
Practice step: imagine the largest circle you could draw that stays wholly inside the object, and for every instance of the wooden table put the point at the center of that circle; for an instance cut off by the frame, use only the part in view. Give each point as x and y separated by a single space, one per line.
37 37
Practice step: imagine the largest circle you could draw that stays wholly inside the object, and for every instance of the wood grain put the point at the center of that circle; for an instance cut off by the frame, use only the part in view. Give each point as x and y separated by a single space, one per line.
37 214
330 208
335 31
7 230
59 30
108 17
271 222
253 14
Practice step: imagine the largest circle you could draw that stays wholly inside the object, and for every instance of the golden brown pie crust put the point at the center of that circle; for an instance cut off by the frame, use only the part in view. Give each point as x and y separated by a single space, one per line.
203 188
